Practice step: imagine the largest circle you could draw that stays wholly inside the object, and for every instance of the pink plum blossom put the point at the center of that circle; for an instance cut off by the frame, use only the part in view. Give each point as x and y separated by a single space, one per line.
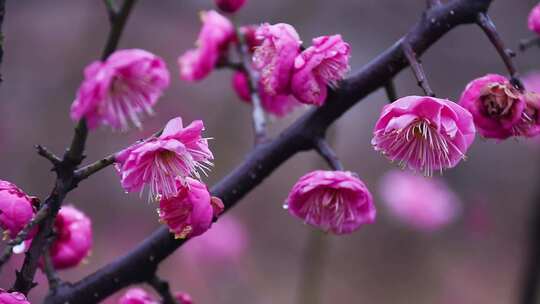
183 298
190 212
230 6
224 243
279 105
322 64
137 296
216 33
120 89
16 209
274 58
424 133
534 19
73 238
420 202
495 104
160 161
7 297
334 201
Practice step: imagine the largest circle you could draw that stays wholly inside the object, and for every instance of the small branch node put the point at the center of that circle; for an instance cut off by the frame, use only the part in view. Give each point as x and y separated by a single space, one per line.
47 154
325 151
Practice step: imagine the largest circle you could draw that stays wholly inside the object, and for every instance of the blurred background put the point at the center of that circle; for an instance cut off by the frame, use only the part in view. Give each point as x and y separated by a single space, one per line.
48 43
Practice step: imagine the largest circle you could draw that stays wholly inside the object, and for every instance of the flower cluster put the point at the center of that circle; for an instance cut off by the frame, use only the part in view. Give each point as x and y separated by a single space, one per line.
140 296
499 109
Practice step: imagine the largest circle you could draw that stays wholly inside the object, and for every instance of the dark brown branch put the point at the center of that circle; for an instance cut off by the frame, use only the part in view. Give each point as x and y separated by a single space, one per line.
48 267
2 15
111 10
325 151
162 287
417 68
140 264
53 158
524 44
90 169
390 90
531 269
487 25
65 170
259 119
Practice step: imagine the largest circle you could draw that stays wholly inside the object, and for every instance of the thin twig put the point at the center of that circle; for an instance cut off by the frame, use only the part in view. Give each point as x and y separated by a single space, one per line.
111 10
48 267
524 44
90 169
259 119
162 287
487 25
117 28
417 68
326 152
46 153
390 89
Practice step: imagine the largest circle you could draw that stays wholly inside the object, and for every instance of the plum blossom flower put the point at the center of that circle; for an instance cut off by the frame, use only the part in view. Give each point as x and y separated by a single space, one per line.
534 19
183 297
7 297
120 89
224 243
278 105
274 57
190 212
16 209
216 33
322 64
334 201
137 296
230 6
74 238
424 133
495 104
160 161
420 202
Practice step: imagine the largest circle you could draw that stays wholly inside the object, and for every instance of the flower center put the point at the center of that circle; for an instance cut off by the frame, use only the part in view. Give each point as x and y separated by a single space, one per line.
498 100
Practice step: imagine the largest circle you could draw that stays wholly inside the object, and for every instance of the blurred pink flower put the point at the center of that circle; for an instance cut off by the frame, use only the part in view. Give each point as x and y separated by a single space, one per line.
16 209
529 124
420 202
230 6
224 243
531 81
534 19
249 32
495 104
74 238
7 297
274 58
322 64
177 153
334 201
189 213
216 33
183 297
137 296
424 133
279 105
120 89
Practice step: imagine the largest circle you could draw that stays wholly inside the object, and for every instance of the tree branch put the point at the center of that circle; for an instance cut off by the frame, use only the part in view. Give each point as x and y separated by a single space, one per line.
487 25
162 287
92 168
417 68
140 264
325 151
43 151
390 90
259 119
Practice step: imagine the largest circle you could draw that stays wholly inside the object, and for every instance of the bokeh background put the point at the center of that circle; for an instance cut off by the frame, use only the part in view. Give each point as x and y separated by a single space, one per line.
48 43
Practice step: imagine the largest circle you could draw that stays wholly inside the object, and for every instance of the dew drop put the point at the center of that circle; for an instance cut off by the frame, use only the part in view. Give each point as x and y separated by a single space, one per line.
285 206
